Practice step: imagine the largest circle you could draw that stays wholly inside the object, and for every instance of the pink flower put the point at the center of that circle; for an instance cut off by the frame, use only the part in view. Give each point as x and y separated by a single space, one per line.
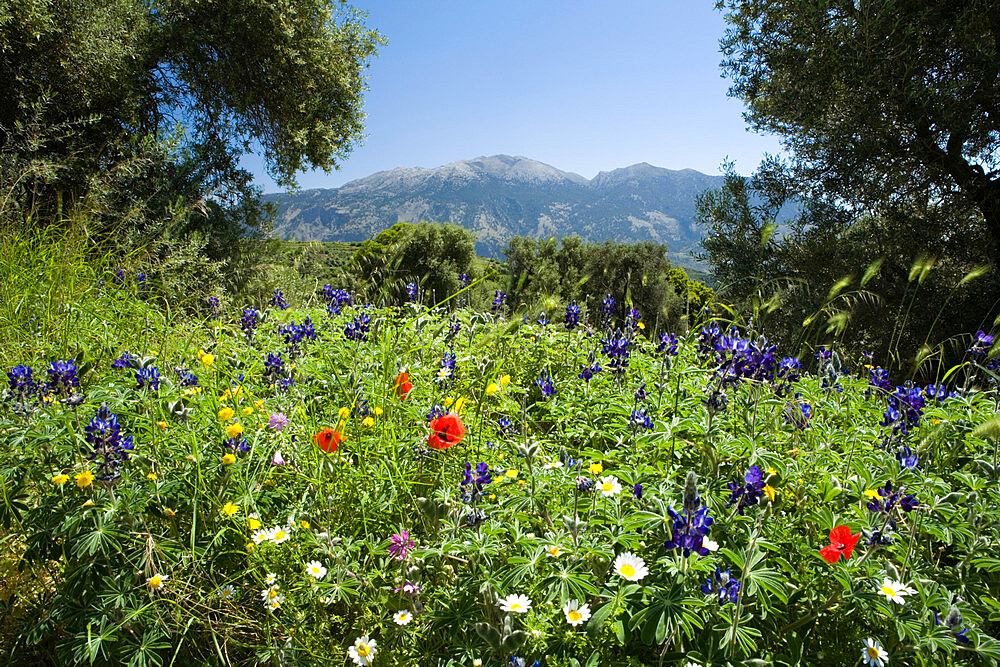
278 459
401 544
278 421
408 587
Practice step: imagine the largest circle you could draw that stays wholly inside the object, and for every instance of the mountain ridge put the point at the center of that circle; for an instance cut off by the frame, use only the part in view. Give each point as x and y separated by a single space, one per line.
500 196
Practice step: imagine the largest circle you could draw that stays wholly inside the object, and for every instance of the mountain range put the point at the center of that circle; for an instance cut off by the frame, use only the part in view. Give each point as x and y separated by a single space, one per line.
502 196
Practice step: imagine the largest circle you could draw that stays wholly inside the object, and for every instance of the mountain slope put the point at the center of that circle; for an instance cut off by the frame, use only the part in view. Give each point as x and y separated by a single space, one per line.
502 196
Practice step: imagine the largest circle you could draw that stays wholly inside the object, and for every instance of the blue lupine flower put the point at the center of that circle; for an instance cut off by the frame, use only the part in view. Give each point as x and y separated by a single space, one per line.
278 300
63 377
22 382
357 329
572 316
640 419
798 413
641 394
472 486
140 281
436 411
411 291
126 360
464 279
542 320
747 494
148 378
587 372
454 326
888 499
335 299
727 588
716 402
617 349
274 367
907 459
446 372
633 319
237 444
505 426
667 345
822 354
108 448
584 484
284 384
186 378
361 409
904 408
249 321
213 307
637 491
608 306
953 621
544 382
119 278
691 524
981 344
498 299
939 392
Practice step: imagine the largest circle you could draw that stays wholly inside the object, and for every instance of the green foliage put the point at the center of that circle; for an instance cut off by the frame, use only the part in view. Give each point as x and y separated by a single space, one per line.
546 274
905 283
817 73
180 509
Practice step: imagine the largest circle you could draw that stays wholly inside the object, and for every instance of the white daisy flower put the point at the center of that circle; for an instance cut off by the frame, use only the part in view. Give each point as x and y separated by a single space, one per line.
260 536
553 550
519 604
575 614
272 605
630 567
279 534
872 653
315 569
609 486
271 578
269 594
402 617
363 652
895 591
155 582
227 592
711 545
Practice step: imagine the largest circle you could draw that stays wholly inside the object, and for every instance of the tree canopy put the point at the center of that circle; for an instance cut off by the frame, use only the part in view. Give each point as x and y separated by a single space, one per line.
879 102
176 90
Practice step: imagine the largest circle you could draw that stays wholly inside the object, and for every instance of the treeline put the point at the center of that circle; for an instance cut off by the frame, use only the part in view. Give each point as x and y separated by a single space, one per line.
539 276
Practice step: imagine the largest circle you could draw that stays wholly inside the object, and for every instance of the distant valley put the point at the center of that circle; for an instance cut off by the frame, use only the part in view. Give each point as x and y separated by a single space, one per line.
503 196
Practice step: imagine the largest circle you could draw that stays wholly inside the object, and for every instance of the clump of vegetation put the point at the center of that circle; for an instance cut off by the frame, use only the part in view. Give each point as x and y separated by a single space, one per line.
401 485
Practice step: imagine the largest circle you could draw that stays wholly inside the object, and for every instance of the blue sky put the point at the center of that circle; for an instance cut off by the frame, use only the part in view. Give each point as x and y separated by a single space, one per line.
584 86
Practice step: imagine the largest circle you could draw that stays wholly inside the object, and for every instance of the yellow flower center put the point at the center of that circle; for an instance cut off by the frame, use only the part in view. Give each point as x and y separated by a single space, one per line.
402 617
554 551
515 607
606 487
627 570
363 650
574 615
872 652
272 594
891 592
280 535
155 582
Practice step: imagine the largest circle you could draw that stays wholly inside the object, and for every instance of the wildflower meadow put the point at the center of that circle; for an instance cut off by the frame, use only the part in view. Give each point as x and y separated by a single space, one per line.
337 483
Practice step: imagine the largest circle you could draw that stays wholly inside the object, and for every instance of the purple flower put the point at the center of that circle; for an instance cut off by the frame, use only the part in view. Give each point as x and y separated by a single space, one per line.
278 421
637 491
744 495
572 316
981 344
725 585
278 300
401 545
277 459
409 588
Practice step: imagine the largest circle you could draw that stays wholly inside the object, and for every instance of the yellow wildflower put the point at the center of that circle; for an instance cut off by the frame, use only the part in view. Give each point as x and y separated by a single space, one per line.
84 479
228 459
512 473
60 479
595 468
459 404
448 401
258 404
207 359
234 430
225 414
378 412
344 412
229 509
771 471
304 524
641 325
161 425
88 503
504 381
935 421
492 388
253 522
151 475
369 422
168 511
769 492
248 410
870 494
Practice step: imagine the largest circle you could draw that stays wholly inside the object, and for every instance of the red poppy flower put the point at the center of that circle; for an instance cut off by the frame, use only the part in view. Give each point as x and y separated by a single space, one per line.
841 542
403 385
328 440
447 431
